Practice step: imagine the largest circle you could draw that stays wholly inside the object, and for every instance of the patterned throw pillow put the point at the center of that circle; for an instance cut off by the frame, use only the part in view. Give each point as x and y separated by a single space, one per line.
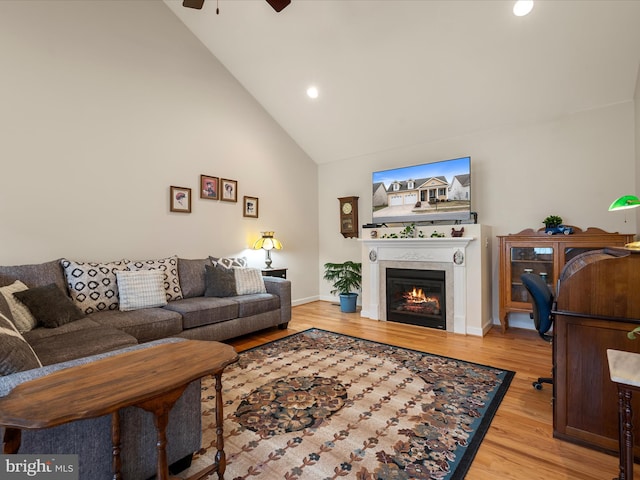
24 320
249 280
93 286
229 262
16 354
141 289
169 266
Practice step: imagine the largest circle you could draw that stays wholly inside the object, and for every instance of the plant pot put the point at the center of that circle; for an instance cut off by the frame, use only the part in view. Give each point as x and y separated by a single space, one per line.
348 302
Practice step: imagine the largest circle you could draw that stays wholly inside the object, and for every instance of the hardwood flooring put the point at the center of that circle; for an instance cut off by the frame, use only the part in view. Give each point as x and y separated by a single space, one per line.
519 444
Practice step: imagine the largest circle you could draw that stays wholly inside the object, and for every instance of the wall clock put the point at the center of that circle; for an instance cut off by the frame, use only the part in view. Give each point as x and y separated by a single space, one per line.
349 217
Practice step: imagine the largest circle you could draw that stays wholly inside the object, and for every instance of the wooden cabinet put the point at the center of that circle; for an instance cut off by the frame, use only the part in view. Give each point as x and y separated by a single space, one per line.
597 305
539 253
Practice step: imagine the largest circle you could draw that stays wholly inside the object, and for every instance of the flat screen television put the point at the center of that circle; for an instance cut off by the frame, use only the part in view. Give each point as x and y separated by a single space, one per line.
438 191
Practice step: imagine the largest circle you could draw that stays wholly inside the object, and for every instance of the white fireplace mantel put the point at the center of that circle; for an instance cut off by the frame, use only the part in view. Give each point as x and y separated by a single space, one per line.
460 258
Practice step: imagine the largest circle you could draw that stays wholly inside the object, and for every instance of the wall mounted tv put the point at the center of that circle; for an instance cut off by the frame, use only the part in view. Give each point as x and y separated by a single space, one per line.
438 191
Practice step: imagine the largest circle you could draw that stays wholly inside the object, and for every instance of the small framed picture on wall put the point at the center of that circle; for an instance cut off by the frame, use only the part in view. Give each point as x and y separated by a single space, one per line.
228 190
180 198
209 187
250 207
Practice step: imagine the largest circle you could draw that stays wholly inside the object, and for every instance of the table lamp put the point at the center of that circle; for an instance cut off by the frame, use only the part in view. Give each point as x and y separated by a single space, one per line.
622 203
626 201
267 243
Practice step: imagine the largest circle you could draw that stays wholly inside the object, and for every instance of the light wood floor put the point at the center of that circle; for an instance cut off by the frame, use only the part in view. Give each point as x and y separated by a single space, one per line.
519 444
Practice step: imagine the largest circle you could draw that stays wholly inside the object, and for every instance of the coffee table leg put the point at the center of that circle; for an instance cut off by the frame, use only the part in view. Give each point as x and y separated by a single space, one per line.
12 440
221 459
116 463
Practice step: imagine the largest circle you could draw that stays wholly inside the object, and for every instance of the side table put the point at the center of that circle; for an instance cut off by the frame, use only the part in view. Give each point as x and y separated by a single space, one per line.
151 378
274 272
624 370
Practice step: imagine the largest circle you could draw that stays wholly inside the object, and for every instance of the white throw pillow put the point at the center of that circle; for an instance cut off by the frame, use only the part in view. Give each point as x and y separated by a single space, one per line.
169 266
22 317
141 289
248 280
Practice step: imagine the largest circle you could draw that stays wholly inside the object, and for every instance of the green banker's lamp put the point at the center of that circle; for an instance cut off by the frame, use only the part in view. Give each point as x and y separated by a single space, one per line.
267 243
622 203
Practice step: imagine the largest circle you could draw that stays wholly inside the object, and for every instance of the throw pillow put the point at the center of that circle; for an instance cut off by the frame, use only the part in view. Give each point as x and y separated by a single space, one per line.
229 262
22 317
141 289
219 281
169 266
49 305
16 354
249 280
93 286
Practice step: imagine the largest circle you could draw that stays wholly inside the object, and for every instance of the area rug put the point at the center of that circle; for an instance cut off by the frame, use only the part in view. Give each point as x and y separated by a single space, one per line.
319 405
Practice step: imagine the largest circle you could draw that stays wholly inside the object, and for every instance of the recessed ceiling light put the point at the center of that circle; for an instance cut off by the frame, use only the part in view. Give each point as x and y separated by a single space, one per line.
522 7
312 92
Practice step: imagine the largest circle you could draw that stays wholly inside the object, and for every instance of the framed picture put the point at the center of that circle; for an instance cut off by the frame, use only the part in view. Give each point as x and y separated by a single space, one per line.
209 187
250 207
180 199
228 190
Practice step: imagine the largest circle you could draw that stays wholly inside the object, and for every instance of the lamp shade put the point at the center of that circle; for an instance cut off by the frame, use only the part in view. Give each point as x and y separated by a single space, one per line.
267 242
626 201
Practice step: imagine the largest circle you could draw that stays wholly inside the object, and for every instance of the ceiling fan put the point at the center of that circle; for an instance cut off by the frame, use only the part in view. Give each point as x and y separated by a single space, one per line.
278 5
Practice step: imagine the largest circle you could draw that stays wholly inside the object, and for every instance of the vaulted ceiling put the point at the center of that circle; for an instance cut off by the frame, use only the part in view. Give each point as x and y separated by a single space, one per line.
396 73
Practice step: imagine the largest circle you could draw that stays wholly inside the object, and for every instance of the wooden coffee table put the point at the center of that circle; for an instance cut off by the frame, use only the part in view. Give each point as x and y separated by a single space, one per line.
151 378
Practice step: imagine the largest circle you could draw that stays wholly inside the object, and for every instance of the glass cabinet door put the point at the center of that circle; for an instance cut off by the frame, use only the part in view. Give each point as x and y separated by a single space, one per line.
537 260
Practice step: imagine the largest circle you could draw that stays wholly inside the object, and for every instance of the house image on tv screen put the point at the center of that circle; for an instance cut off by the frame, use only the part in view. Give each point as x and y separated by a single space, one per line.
442 192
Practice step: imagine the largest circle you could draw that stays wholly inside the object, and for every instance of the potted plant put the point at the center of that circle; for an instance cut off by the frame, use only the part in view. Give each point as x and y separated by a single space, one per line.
345 277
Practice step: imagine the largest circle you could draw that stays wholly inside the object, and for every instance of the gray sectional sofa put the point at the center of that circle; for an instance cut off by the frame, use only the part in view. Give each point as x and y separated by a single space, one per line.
191 312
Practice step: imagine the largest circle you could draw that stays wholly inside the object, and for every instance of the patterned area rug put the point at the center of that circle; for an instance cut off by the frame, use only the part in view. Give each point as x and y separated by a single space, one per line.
319 405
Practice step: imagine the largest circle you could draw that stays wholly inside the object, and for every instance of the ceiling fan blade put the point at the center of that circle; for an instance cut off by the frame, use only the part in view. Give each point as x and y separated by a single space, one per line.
277 5
193 4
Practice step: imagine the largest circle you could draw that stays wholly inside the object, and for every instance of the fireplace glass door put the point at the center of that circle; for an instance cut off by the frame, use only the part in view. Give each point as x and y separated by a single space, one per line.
416 297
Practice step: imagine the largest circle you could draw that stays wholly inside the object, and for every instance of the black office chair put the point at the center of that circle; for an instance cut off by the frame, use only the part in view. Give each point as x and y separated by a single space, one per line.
542 303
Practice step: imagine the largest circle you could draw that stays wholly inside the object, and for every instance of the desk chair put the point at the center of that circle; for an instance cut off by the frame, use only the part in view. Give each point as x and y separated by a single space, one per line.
542 303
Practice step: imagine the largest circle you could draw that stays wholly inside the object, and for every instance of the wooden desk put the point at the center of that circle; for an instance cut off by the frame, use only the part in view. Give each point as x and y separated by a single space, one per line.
152 379
597 305
624 369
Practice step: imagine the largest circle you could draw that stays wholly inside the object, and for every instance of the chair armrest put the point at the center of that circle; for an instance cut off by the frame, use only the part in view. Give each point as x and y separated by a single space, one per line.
282 288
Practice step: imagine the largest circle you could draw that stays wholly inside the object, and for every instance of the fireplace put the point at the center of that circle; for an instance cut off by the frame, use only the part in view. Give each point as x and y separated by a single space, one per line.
417 297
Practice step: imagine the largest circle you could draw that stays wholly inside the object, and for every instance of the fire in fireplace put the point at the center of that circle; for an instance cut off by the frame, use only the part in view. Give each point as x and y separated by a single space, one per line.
416 297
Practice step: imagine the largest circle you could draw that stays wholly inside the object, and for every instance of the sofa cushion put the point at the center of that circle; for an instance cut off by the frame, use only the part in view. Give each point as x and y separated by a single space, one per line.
145 325
93 286
168 266
16 354
22 317
229 282
191 275
40 333
248 281
80 343
219 281
199 311
249 305
229 262
34 275
50 306
141 289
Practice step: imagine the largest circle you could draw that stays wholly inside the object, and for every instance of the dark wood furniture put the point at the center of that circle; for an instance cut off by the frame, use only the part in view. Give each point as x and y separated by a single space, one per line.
542 253
152 379
274 272
597 304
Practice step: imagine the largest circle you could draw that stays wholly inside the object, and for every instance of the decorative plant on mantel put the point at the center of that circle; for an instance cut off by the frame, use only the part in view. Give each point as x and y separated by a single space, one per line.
345 277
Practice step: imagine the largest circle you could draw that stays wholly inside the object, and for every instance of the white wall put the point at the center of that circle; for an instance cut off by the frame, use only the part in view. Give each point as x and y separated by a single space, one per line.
107 104
573 167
